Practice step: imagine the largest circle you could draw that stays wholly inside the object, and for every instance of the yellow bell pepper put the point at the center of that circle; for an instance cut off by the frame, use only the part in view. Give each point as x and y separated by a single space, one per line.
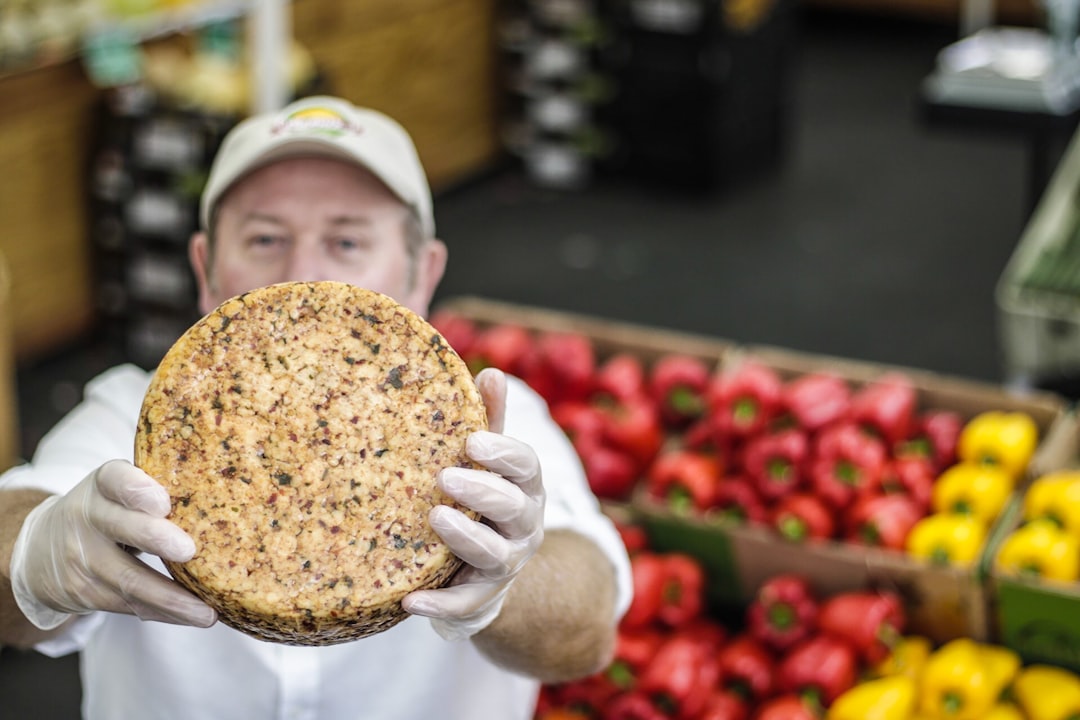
963 679
1004 711
946 539
1040 549
908 658
968 488
887 698
1055 496
1048 693
1005 439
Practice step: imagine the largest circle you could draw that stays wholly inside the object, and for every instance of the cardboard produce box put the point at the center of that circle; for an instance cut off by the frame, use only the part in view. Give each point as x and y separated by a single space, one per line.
608 336
1038 618
942 602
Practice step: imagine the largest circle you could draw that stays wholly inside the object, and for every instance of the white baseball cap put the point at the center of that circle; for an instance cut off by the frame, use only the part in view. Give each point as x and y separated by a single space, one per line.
329 127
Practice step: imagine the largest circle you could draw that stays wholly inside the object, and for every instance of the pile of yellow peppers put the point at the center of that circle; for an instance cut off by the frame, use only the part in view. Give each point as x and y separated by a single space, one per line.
993 452
1047 542
961 680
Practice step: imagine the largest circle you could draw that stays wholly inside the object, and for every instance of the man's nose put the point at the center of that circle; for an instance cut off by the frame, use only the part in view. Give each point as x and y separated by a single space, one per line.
305 264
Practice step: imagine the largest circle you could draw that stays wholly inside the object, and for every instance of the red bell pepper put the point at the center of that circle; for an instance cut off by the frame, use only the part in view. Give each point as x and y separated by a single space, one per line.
802 517
747 667
459 331
737 500
883 520
634 537
705 630
679 385
787 707
816 400
724 705
682 596
561 366
783 612
502 346
774 462
590 695
648 573
681 676
701 435
910 475
873 621
634 649
611 473
557 713
819 668
669 588
578 419
620 377
846 460
547 700
633 425
936 435
886 406
742 400
633 705
685 479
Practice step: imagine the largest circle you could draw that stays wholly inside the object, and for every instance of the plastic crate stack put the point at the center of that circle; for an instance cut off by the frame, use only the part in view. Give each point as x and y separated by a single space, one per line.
704 88
148 168
557 90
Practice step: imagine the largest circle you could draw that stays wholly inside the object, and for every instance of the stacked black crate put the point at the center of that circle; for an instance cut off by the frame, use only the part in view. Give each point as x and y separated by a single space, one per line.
704 96
556 88
148 169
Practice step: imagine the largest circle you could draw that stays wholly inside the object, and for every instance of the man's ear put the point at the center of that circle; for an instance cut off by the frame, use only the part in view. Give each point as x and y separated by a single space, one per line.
199 256
430 266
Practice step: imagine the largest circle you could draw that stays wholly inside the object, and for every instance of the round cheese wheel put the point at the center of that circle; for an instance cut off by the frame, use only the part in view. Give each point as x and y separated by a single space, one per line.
299 429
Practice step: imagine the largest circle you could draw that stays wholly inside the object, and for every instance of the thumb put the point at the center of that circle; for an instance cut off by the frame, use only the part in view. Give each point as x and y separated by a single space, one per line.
492 385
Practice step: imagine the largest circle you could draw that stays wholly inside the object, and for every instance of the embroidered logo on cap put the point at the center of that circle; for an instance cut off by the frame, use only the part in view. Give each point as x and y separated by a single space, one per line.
319 120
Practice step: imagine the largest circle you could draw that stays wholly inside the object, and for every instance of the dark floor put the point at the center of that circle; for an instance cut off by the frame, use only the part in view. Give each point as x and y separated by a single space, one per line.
877 238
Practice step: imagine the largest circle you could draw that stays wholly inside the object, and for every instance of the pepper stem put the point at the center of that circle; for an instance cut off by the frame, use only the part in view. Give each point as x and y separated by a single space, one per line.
781 616
685 401
951 703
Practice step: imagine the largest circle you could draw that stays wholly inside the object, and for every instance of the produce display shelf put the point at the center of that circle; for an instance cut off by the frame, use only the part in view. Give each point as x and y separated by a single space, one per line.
1038 294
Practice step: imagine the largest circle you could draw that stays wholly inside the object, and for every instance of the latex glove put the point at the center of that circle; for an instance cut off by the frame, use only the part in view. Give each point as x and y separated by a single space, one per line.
510 497
71 555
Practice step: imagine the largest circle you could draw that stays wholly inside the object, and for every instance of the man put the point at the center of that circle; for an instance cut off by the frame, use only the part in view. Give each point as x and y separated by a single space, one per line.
319 191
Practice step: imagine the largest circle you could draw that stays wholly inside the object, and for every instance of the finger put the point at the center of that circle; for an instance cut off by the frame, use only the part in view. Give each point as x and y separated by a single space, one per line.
456 601
136 529
492 385
139 590
477 544
511 458
514 513
129 486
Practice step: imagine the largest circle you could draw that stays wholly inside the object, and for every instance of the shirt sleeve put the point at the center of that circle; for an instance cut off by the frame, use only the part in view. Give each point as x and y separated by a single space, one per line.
570 503
99 429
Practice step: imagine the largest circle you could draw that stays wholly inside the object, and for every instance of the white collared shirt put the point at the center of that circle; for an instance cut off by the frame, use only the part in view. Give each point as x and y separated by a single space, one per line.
155 671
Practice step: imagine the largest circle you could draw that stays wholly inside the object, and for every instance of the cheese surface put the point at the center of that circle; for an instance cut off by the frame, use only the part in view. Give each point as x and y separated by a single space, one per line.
299 430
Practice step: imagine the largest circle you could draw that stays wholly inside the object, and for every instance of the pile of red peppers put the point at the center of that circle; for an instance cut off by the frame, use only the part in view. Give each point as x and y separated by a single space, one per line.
814 456
793 654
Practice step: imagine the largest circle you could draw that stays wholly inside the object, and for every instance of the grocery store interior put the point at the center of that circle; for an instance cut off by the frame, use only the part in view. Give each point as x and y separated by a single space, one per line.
834 207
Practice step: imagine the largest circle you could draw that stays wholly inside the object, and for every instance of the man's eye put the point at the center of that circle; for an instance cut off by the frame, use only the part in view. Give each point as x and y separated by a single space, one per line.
346 243
265 241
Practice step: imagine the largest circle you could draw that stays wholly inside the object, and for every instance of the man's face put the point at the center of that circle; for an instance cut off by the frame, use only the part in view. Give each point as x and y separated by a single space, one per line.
313 219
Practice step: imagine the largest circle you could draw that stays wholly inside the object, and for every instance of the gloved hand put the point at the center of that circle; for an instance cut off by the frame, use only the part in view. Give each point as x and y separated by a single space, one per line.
510 497
70 556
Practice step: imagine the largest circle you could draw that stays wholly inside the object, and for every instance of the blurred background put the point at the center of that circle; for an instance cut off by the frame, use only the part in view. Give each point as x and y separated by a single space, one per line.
819 175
